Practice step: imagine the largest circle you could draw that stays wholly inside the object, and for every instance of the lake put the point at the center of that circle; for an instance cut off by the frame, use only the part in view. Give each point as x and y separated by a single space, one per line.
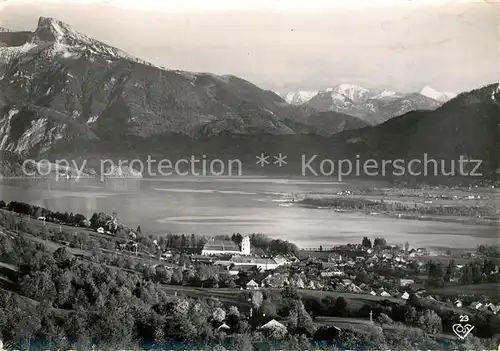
220 206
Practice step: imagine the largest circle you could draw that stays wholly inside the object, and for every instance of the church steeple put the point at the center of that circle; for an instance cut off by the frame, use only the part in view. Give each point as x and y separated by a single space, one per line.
245 246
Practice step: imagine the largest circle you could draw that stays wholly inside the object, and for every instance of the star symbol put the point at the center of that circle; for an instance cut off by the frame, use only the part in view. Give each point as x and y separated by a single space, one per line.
280 160
262 159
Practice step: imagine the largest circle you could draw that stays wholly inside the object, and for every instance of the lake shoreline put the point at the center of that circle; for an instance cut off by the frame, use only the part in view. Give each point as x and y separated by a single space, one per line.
474 221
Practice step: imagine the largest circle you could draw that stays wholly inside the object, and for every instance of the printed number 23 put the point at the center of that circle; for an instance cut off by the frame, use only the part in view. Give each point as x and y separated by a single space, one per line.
464 318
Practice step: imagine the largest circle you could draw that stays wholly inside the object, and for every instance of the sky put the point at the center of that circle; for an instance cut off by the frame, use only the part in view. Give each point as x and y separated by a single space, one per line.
401 45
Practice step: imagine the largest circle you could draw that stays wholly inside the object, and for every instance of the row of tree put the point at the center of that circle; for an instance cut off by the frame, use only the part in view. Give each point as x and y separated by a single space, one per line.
51 216
377 243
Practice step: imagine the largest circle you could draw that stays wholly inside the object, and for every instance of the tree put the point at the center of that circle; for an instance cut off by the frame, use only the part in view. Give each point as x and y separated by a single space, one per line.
366 243
39 286
341 307
450 271
467 274
176 278
79 219
414 301
138 230
430 322
300 320
162 275
410 315
233 311
379 242
180 307
219 315
384 319
25 325
257 299
268 308
98 220
62 256
290 293
63 287
407 246
243 342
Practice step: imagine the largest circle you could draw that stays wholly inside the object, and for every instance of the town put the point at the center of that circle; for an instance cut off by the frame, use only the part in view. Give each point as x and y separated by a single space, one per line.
367 293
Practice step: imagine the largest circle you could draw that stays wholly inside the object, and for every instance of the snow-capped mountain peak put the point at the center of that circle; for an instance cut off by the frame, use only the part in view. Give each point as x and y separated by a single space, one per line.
353 92
68 42
52 30
387 94
432 93
300 96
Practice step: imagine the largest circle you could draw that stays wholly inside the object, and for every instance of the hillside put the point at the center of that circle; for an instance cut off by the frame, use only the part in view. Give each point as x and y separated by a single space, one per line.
11 165
333 122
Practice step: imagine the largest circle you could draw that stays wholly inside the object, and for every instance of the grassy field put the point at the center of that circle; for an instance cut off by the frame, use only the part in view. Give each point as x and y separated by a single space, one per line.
364 325
239 296
492 290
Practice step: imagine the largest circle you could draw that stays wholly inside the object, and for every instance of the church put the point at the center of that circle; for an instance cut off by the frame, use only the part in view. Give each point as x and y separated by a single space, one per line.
226 247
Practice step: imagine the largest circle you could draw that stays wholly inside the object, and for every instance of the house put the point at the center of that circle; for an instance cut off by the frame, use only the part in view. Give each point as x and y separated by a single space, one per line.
221 247
335 257
363 286
261 263
223 326
201 258
489 305
353 288
100 230
458 303
373 293
405 296
385 294
276 280
280 260
271 325
495 309
252 285
406 282
328 274
476 305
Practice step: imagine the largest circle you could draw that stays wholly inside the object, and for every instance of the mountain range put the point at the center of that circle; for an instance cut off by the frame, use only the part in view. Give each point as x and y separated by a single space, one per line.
371 107
59 85
65 94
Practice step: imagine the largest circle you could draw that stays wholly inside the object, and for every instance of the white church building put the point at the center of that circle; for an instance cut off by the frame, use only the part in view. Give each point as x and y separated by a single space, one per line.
227 247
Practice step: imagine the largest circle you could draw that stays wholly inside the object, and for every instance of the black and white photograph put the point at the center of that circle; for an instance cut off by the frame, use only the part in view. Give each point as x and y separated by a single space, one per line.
249 175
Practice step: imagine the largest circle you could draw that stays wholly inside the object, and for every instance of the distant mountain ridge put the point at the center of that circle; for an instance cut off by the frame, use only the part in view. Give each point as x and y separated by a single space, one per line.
371 107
